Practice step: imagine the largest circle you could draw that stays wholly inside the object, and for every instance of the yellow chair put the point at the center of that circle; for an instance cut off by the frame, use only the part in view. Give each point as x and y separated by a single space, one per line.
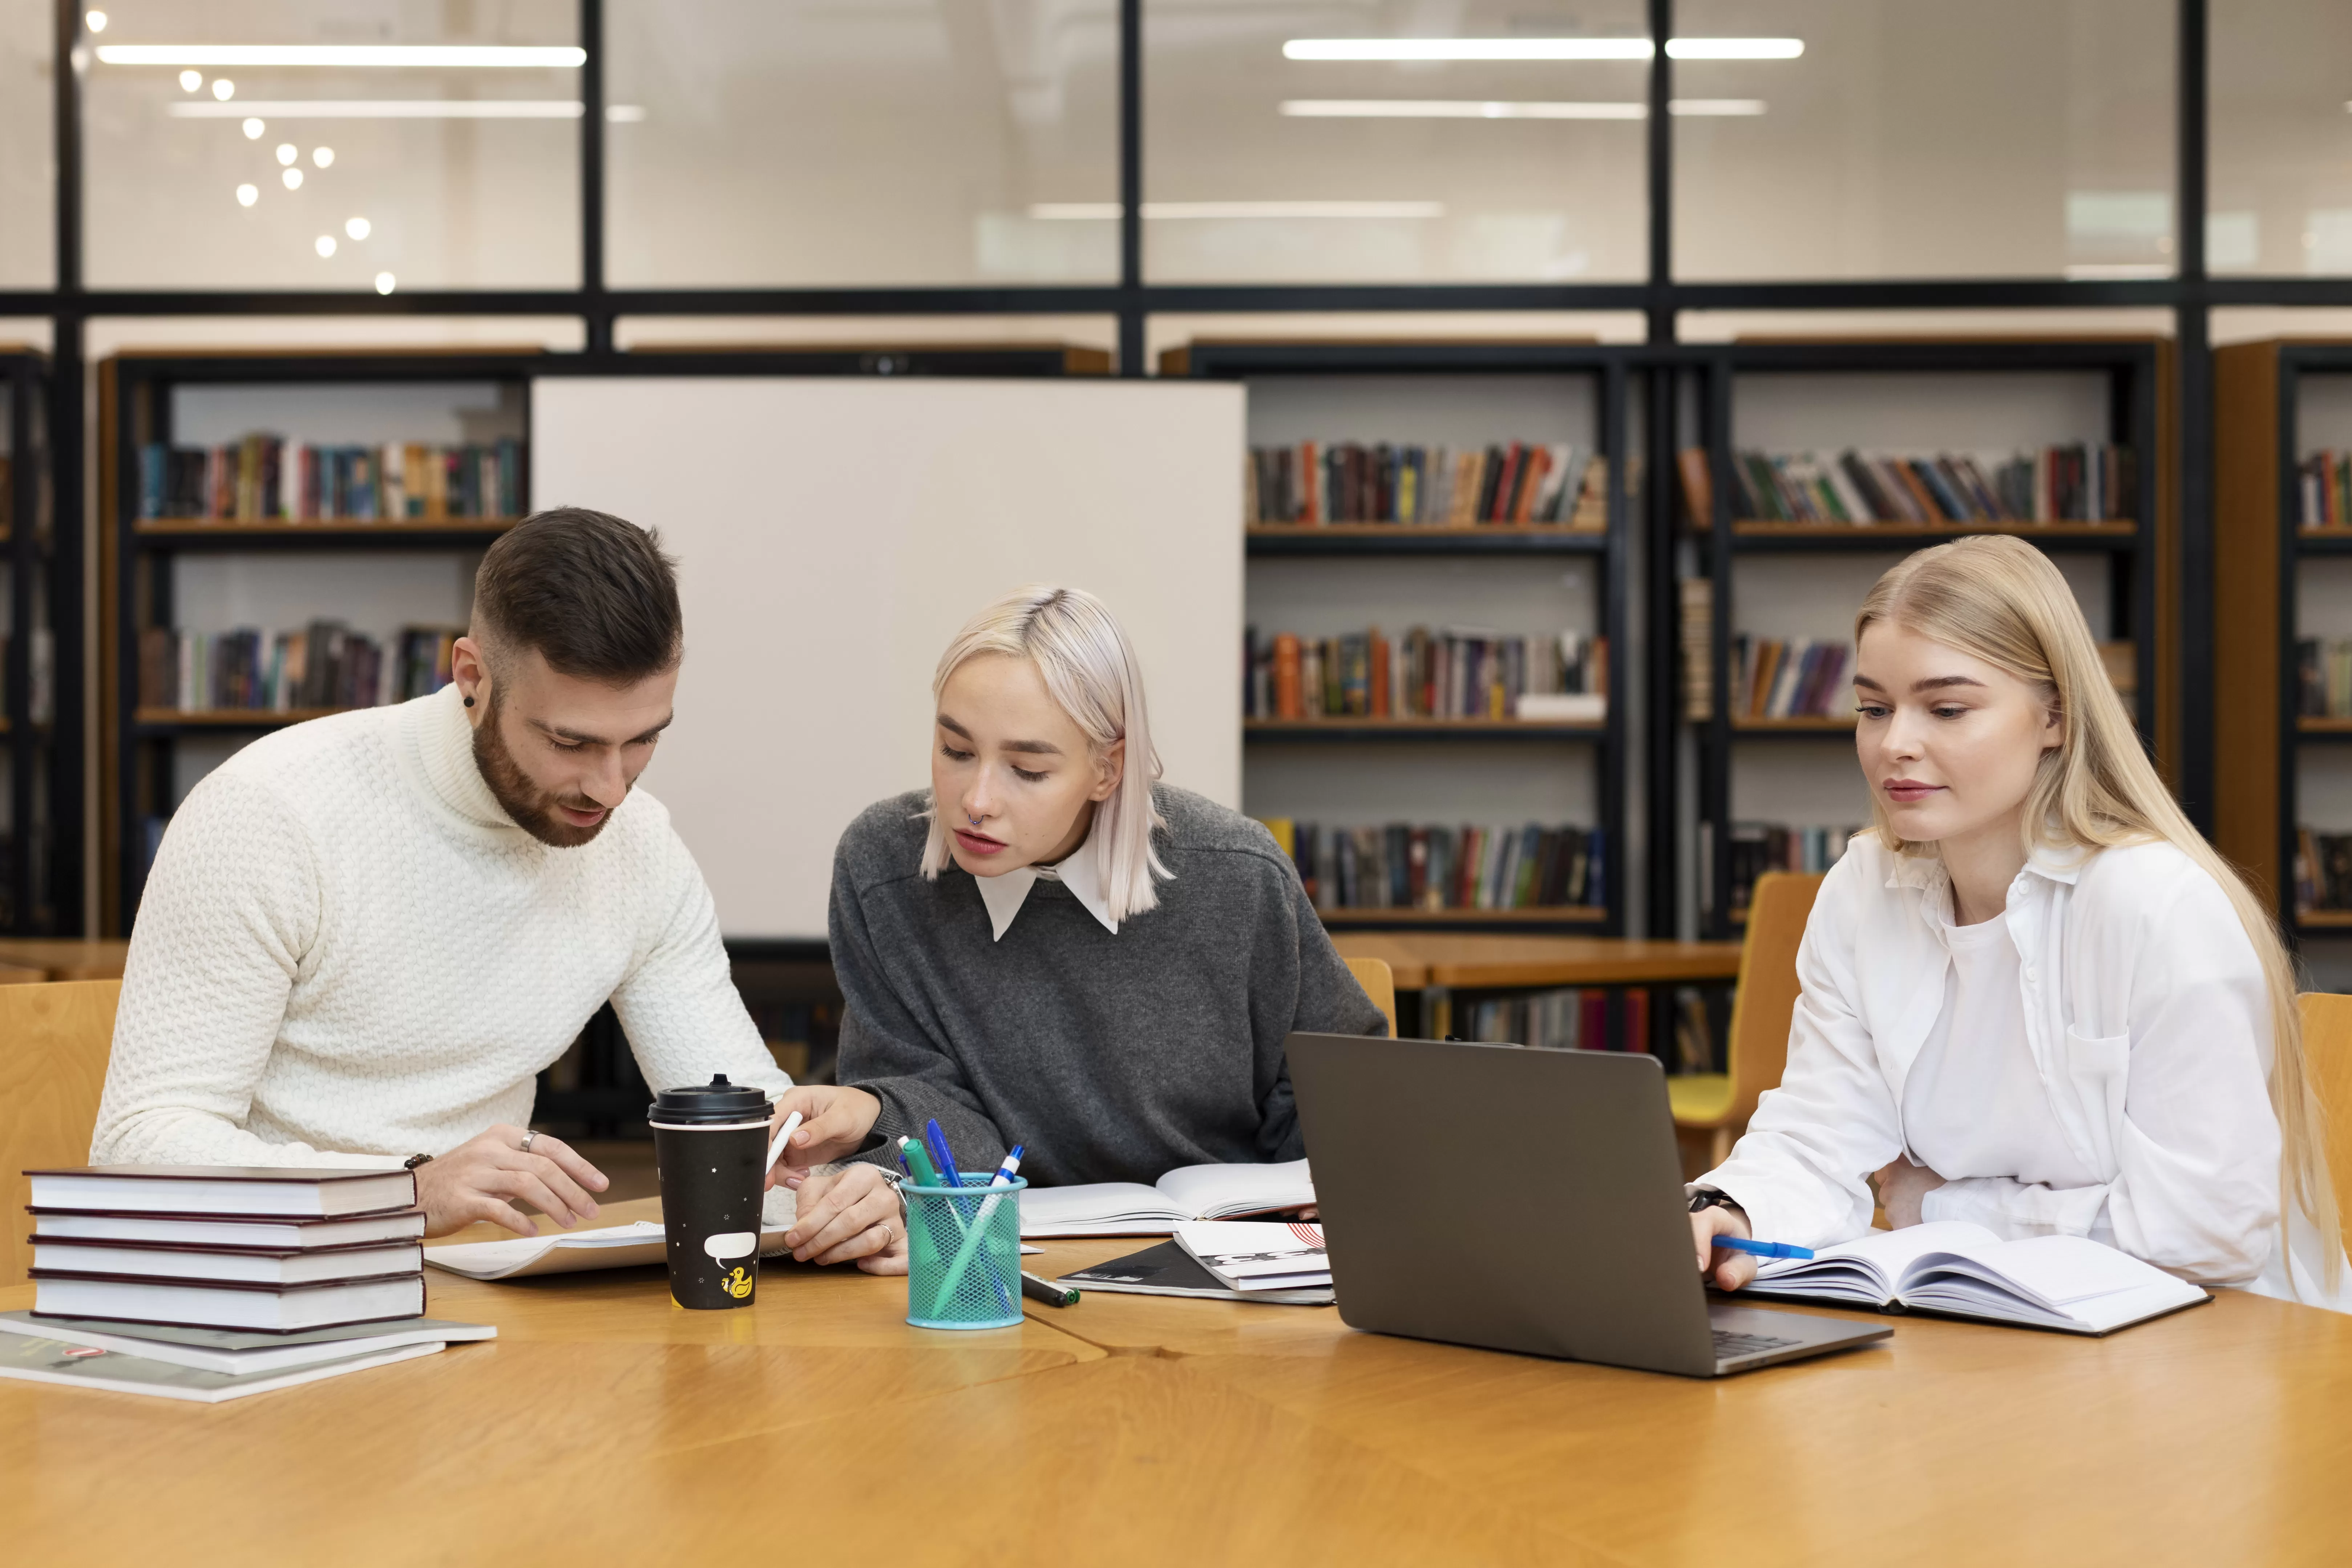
1721 1103
1379 981
2327 1050
54 1043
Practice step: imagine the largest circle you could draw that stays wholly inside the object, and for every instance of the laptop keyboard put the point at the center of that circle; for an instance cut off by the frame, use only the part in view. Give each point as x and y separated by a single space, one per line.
1731 1346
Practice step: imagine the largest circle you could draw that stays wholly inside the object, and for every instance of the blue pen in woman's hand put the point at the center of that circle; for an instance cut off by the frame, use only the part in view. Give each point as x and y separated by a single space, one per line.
1760 1249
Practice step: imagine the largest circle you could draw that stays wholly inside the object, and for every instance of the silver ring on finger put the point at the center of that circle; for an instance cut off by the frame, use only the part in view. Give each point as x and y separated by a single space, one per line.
527 1139
888 1235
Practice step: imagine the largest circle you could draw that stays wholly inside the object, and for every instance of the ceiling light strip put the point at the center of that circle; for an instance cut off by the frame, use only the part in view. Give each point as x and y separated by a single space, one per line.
387 109
1540 48
460 57
1477 109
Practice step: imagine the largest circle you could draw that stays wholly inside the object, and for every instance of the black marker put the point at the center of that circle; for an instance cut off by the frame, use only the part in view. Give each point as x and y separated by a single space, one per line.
1047 1291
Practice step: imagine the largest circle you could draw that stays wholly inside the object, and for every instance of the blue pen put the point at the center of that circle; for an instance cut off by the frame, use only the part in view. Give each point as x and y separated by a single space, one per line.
950 1173
1762 1248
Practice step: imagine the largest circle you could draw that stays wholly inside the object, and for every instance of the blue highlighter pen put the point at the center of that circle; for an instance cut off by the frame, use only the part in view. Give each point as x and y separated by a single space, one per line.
1762 1249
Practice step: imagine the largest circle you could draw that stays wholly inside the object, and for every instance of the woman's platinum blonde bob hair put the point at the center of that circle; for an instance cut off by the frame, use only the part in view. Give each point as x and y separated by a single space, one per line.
1094 677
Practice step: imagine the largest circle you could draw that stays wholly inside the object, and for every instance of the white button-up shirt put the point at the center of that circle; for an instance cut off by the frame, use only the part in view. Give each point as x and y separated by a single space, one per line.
2148 1021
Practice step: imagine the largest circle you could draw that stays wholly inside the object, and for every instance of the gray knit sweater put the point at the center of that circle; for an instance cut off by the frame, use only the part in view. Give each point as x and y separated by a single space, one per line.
1114 1058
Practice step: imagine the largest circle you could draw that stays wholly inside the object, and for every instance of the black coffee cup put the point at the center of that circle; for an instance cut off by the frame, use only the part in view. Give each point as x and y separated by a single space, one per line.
711 1146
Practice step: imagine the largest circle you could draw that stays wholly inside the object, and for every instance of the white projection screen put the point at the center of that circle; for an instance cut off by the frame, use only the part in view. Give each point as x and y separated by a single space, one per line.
832 534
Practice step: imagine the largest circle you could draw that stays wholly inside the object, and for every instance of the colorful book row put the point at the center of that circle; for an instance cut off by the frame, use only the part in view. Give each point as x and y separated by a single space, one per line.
1449 673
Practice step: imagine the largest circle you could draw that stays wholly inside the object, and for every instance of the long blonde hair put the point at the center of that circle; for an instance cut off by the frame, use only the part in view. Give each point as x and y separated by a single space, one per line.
2002 601
1094 678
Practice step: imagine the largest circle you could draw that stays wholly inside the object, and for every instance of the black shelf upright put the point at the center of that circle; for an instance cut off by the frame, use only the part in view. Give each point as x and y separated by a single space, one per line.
40 705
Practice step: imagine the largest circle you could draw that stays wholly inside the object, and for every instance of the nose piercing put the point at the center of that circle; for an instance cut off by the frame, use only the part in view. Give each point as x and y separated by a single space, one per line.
975 821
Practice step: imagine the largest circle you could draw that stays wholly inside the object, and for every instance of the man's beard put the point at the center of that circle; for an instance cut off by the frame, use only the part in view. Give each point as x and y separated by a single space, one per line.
532 808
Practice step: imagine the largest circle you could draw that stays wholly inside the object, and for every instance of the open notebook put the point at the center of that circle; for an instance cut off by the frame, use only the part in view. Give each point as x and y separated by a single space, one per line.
2064 1282
1187 1193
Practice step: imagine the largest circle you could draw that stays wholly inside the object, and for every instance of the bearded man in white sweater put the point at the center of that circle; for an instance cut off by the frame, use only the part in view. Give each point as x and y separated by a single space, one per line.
364 936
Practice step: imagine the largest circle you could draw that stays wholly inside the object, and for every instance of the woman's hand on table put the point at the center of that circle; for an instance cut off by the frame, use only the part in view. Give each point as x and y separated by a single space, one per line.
847 1216
1724 1271
1901 1186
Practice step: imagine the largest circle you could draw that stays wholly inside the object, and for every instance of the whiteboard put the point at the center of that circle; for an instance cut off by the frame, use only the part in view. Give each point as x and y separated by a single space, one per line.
833 533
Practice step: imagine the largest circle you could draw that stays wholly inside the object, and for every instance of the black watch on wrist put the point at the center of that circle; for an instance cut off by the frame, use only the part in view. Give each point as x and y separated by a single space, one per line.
1708 1198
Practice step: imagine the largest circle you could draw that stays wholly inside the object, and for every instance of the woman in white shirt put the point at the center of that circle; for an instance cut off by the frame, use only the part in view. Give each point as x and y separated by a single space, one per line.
2033 998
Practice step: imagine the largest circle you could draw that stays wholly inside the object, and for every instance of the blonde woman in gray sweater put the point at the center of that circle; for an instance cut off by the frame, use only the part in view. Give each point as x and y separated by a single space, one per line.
1051 947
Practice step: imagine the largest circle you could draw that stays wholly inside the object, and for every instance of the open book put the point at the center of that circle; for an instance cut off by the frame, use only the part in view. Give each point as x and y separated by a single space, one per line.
2066 1282
1187 1193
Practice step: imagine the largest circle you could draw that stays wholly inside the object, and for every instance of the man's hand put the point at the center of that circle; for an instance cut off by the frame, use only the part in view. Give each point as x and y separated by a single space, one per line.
1724 1271
1901 1185
848 1214
834 1122
486 1176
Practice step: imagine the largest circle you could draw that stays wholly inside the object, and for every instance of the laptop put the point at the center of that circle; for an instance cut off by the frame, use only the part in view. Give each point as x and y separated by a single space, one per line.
1522 1200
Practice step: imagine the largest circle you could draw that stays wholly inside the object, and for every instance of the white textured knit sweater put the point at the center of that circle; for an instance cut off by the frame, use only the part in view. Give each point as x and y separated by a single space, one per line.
348 949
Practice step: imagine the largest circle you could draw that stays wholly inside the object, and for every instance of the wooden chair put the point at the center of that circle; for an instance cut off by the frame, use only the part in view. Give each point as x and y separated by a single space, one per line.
54 1043
2327 1050
1379 981
1721 1103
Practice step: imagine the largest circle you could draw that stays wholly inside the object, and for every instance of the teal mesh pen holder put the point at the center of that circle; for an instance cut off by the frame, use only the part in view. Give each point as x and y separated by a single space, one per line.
963 1255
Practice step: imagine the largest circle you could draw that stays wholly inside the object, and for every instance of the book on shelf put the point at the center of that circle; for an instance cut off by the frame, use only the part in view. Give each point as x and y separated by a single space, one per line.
1513 484
1757 847
2323 670
2079 482
1410 866
2323 871
1698 649
324 664
1449 673
2324 490
1778 679
1697 478
1570 1019
266 477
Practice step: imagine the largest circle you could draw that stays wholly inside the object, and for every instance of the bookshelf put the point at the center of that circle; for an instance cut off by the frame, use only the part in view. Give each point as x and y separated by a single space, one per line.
1330 579
272 573
2278 769
40 677
1778 579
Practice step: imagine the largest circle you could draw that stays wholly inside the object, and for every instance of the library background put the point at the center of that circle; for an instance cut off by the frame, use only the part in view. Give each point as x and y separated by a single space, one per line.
1598 357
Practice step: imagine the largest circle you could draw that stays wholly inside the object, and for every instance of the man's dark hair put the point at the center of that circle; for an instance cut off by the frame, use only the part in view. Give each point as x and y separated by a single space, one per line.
591 592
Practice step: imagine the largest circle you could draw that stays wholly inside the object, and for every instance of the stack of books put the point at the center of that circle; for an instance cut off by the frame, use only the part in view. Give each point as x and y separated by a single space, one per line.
201 1282
2078 482
1249 1257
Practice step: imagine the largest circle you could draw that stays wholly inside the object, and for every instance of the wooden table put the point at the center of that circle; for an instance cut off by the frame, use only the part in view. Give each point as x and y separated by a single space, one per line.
1437 964
64 958
1420 960
605 1425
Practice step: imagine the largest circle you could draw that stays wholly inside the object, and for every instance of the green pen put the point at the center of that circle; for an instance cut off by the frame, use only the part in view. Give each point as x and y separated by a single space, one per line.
918 1159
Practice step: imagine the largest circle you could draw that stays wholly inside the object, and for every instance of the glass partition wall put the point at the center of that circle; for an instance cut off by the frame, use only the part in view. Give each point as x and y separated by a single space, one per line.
1354 161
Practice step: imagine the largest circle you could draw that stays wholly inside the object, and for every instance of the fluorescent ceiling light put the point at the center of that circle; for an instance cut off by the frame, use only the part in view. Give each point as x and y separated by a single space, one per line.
1540 48
442 55
1734 48
1108 210
1475 109
403 109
